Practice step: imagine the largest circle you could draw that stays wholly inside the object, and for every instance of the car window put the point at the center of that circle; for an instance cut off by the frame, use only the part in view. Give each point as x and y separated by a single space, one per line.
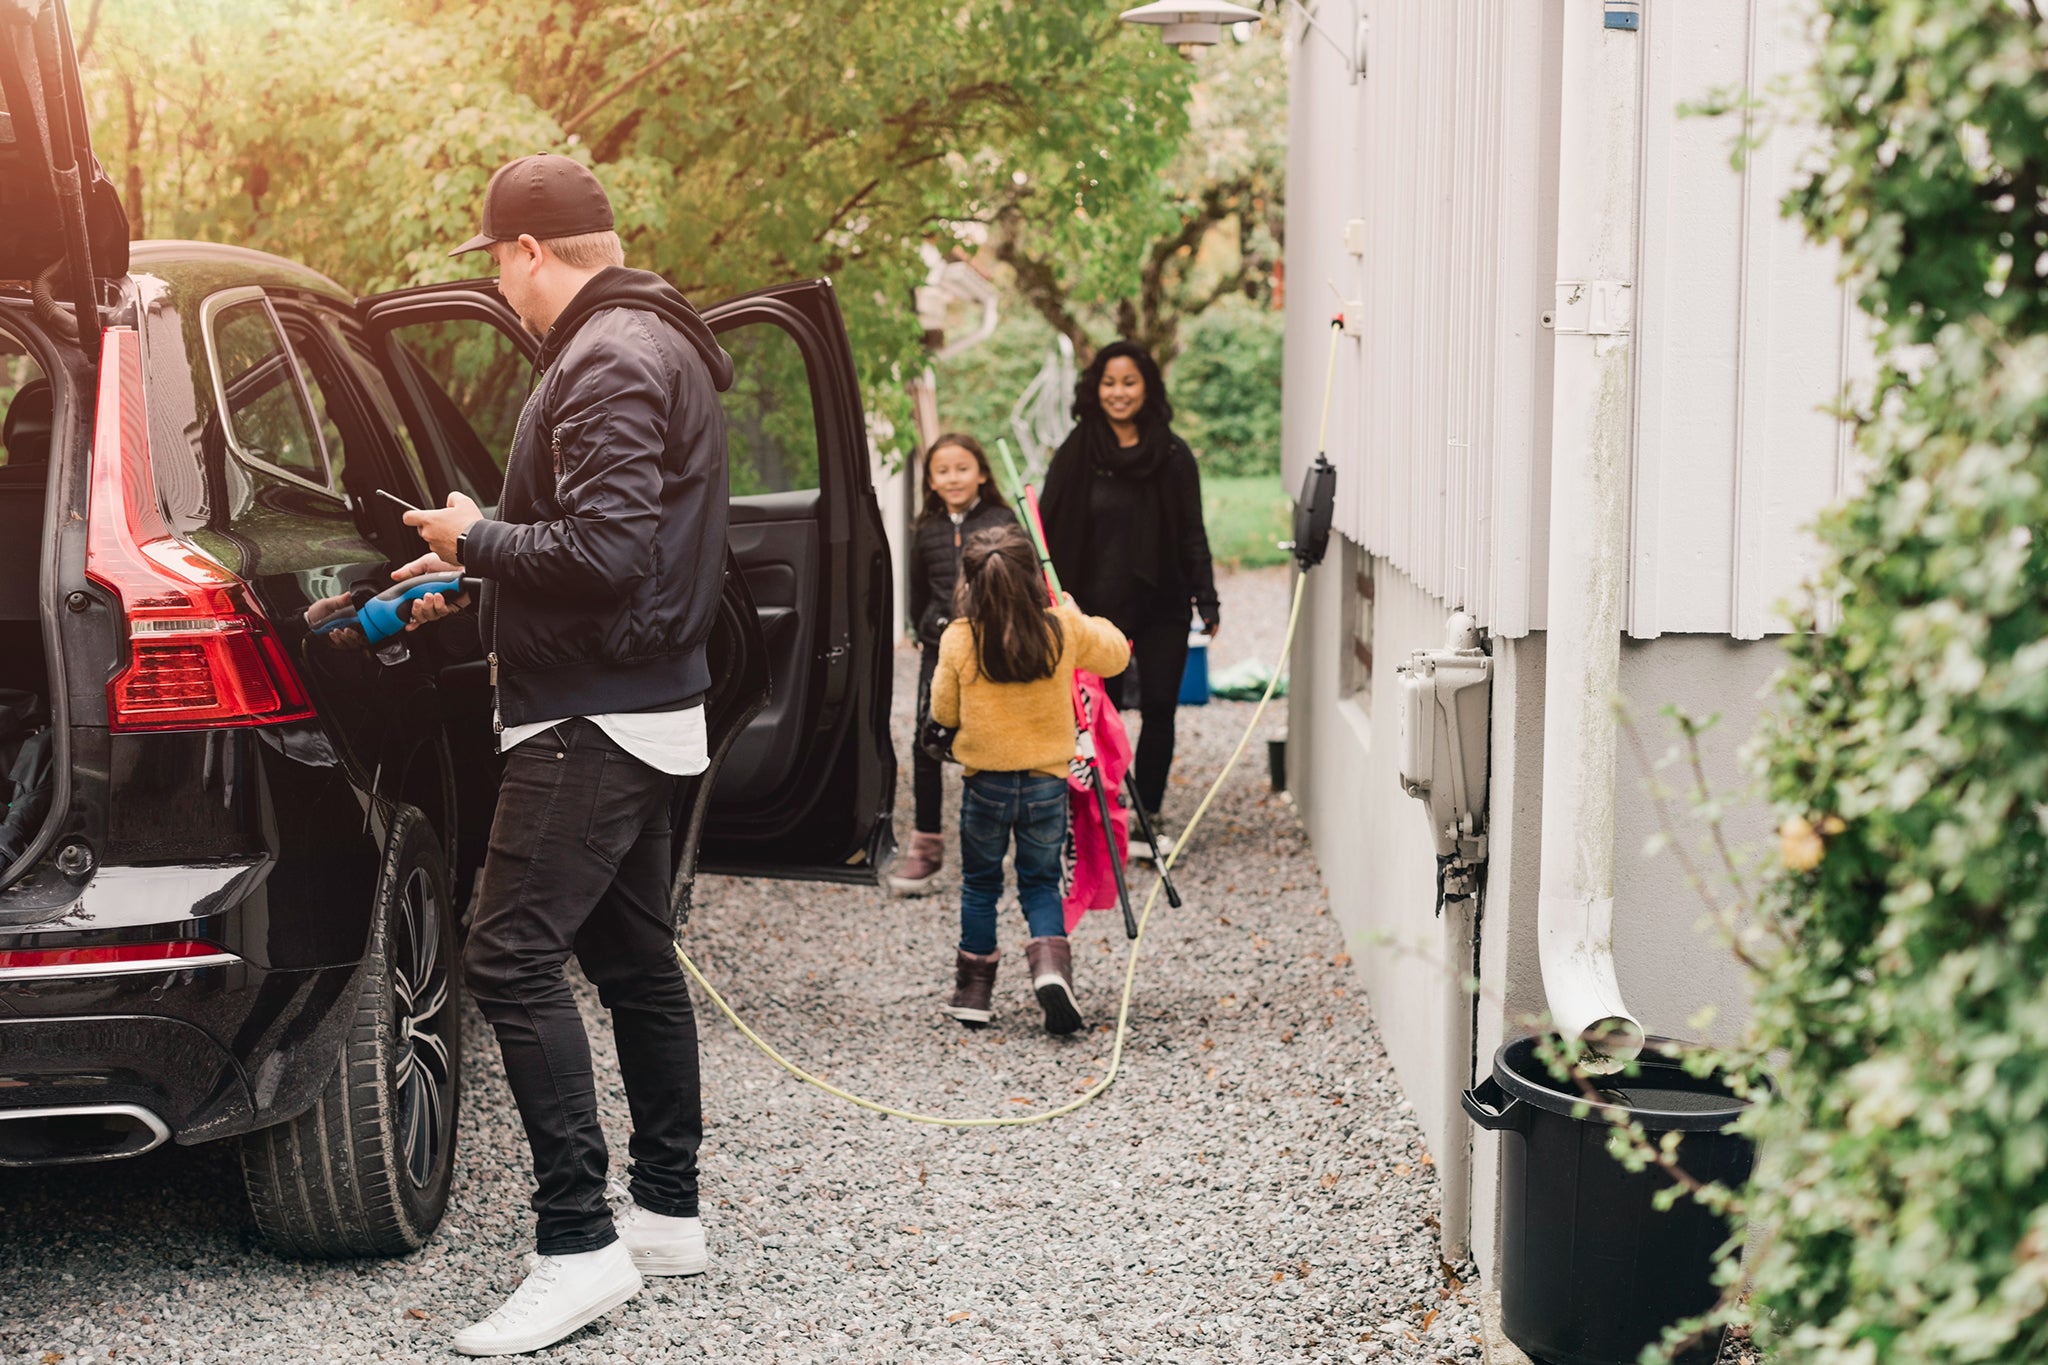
771 433
322 386
266 415
372 380
476 373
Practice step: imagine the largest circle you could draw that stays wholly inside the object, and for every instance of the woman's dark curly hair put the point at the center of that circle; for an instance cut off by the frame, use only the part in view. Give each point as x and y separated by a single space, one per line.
1088 388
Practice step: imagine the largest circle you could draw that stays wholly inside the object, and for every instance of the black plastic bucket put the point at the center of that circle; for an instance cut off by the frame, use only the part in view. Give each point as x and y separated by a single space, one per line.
1591 1271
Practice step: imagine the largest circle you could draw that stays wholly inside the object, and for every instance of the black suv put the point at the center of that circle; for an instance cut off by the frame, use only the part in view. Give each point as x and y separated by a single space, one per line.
235 848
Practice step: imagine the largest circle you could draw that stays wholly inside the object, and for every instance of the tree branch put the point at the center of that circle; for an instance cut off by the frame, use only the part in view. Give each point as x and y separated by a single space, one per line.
1218 202
92 27
620 87
1040 285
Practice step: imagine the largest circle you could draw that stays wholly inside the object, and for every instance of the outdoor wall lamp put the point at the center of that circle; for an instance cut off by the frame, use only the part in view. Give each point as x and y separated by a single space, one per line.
1189 24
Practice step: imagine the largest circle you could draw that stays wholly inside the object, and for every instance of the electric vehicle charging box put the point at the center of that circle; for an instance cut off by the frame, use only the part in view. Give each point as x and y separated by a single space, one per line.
1446 708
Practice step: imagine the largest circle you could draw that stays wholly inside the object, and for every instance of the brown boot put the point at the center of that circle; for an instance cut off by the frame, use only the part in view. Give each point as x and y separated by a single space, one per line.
917 872
974 987
1052 978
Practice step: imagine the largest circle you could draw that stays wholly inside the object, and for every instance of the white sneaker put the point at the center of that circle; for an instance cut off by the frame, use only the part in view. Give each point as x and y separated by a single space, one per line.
559 1295
661 1245
1157 850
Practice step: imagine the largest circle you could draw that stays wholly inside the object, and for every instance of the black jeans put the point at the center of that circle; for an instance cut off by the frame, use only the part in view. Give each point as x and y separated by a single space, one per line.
927 776
1159 655
579 862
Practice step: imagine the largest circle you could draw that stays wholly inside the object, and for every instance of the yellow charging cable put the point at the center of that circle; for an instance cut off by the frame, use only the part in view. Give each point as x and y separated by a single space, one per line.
1123 1013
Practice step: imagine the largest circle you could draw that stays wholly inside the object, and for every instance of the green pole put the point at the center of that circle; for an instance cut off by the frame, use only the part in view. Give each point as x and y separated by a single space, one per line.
1027 508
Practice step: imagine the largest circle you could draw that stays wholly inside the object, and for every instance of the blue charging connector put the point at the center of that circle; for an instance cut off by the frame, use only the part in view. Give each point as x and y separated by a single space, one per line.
386 614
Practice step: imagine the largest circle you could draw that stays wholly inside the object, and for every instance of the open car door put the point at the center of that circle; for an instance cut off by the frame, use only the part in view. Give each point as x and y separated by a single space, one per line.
804 771
61 222
807 788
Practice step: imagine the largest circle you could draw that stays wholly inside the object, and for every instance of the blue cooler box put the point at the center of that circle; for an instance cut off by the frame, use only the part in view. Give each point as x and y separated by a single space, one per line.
1194 679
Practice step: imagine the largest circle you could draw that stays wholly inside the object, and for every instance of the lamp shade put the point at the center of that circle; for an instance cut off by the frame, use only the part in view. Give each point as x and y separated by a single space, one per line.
1190 21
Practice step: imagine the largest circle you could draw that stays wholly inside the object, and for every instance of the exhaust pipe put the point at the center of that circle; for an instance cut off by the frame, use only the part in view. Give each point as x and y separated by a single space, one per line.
72 1134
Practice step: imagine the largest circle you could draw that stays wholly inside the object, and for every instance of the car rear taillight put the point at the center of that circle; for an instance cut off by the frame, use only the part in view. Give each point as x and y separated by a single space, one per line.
112 959
199 653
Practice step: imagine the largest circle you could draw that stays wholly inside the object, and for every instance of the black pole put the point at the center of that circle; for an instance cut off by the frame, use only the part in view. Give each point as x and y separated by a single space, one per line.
1145 826
1116 864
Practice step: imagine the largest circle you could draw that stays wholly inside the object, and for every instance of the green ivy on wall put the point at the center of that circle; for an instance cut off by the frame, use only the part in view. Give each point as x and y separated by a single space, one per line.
1904 1183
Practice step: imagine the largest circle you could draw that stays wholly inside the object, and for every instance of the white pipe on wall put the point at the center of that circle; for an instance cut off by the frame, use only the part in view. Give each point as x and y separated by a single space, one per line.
1590 440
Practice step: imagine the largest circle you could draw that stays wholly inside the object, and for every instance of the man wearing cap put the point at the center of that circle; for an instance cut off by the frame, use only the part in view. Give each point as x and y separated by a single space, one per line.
602 573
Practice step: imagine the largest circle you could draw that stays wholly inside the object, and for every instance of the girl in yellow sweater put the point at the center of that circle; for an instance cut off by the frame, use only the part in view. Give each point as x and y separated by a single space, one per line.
1005 679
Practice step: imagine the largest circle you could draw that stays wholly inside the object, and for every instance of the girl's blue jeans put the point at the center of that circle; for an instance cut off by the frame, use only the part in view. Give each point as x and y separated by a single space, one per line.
993 806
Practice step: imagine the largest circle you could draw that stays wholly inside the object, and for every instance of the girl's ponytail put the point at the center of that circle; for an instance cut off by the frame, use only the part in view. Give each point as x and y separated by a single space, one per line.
1002 597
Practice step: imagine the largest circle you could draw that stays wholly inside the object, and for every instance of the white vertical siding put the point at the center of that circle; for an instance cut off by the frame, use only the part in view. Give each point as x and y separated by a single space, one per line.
1441 431
1745 339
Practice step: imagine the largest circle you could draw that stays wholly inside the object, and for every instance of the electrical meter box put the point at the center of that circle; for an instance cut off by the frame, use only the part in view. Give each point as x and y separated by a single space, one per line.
1446 711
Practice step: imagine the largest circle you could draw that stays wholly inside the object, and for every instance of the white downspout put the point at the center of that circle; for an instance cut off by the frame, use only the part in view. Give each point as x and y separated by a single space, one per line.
1589 456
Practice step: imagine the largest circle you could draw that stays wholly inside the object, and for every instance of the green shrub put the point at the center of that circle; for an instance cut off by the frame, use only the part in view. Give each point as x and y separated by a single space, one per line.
1904 1184
1226 389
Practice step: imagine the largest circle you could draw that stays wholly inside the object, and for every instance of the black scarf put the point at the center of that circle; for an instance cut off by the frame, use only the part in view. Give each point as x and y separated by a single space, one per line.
1091 452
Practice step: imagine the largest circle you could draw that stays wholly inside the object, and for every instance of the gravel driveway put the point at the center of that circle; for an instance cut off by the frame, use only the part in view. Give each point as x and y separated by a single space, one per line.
1253 1189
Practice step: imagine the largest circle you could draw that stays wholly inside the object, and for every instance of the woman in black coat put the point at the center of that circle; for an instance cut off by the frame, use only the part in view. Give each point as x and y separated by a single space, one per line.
1123 519
960 498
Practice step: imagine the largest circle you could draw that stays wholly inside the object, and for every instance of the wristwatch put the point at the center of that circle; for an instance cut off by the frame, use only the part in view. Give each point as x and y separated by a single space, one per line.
460 558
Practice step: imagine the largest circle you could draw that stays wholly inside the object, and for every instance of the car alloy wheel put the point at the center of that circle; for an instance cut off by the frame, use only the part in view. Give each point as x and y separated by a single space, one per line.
423 1020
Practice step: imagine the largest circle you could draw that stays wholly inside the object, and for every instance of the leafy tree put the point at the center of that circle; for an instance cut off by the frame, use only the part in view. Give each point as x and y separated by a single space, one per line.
1214 233
1904 1185
743 142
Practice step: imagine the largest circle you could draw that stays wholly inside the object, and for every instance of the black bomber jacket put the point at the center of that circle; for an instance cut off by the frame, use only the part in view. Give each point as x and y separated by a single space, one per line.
604 565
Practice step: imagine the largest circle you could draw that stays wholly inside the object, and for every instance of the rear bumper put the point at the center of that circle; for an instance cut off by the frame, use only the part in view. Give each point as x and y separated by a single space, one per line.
233 1040
164 1067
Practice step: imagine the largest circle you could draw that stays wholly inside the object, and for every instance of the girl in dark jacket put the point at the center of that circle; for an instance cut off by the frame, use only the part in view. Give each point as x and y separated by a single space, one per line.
959 499
1123 519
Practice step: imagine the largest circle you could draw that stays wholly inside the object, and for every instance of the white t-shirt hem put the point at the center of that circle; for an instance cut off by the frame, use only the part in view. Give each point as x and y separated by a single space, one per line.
667 741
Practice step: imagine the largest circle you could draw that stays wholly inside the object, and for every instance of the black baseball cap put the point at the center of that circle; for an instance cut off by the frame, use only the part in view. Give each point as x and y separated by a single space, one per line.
545 195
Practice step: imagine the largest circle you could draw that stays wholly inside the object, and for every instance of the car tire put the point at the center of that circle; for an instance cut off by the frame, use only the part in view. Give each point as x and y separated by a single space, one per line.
366 1171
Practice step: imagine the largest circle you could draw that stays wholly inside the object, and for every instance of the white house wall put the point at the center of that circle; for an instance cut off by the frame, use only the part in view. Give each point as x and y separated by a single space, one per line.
1372 841
1745 341
1444 156
1437 156
1440 427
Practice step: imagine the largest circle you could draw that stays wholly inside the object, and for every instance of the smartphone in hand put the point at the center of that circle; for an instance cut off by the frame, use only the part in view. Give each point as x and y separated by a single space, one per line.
392 497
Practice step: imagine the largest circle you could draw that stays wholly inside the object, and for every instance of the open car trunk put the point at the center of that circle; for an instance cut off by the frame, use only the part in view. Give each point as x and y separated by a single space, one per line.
61 222
28 742
63 231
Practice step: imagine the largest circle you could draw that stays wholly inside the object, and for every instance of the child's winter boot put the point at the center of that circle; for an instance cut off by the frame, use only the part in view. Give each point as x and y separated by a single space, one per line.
1052 980
917 873
974 987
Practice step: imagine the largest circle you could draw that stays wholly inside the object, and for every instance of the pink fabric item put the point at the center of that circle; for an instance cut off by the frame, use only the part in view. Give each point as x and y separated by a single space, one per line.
1091 877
